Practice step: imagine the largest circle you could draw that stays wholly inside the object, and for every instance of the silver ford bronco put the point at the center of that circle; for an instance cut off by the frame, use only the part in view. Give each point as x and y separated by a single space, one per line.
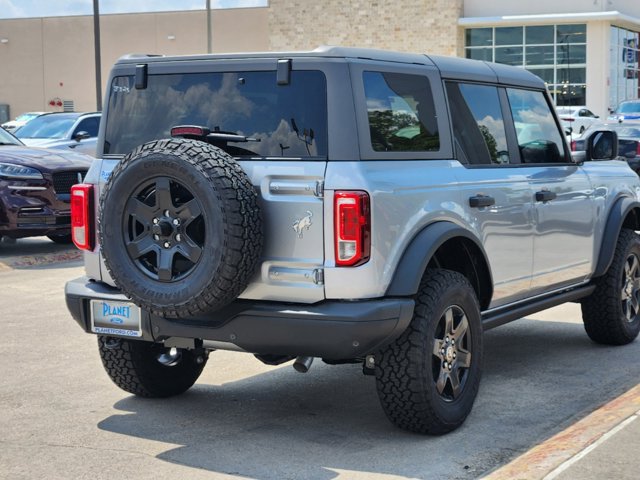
346 204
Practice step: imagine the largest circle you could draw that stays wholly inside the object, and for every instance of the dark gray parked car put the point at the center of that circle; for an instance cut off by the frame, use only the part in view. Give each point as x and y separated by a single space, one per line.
346 204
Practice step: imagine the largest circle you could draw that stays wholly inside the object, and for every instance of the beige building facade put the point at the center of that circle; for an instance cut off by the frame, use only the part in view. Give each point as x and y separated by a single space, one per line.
586 51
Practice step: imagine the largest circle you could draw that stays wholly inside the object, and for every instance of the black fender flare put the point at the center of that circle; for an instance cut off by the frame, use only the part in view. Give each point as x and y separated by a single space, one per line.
617 215
406 279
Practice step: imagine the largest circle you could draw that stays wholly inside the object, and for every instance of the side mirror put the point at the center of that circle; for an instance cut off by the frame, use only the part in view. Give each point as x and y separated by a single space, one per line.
81 136
602 145
596 116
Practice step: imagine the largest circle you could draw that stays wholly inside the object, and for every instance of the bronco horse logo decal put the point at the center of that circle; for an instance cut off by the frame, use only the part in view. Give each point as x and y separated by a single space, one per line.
301 224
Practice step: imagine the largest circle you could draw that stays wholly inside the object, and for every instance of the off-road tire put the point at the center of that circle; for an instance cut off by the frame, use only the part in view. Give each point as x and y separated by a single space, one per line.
134 367
407 371
611 314
174 271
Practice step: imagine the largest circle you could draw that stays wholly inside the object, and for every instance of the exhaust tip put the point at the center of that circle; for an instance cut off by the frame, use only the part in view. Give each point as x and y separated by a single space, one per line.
303 364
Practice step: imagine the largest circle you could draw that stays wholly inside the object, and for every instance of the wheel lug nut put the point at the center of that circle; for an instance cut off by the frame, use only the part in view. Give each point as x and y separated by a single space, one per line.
155 221
156 237
167 244
166 213
178 238
176 221
454 354
445 364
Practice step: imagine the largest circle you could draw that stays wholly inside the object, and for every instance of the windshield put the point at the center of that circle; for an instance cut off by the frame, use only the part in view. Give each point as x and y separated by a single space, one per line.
277 120
629 107
47 126
7 139
26 116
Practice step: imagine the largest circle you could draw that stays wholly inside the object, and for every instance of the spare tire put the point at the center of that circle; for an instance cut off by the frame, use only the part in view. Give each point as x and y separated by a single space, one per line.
180 227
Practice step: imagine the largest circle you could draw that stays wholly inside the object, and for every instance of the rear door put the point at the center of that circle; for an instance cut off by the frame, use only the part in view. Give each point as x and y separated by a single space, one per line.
496 193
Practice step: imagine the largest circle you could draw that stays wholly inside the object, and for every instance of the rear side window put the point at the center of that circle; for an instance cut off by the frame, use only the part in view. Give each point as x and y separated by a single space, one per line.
401 112
279 120
539 138
478 124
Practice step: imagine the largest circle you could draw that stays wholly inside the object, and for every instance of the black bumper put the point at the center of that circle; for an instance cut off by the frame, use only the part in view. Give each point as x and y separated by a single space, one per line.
330 329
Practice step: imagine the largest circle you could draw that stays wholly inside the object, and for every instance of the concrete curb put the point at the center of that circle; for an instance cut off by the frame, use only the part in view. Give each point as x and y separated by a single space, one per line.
545 459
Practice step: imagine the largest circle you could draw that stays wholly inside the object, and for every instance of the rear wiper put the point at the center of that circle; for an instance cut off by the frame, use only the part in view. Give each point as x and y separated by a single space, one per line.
231 137
202 133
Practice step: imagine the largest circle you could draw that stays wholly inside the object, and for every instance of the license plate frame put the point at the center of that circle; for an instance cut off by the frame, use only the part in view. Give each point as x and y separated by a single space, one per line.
109 317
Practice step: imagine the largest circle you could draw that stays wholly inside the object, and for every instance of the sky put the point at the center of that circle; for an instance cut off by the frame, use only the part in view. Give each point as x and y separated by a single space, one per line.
57 8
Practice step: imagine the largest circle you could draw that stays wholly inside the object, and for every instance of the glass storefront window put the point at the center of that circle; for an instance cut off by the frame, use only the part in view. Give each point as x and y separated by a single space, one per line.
556 53
542 34
624 70
509 36
479 37
509 55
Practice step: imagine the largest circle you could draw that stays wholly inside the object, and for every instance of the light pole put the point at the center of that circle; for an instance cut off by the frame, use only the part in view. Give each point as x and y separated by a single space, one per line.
96 46
208 26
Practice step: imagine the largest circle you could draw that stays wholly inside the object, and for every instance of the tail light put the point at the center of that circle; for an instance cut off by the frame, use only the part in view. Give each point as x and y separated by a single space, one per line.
574 146
568 119
82 223
352 232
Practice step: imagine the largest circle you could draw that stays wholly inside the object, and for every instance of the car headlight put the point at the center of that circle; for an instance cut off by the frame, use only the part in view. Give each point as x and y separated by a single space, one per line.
9 170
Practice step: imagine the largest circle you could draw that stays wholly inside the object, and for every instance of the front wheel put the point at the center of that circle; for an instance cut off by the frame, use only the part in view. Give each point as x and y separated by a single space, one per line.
611 314
149 369
428 378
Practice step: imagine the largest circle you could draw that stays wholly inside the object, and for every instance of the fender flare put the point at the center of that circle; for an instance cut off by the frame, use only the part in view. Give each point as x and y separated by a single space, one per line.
408 274
617 215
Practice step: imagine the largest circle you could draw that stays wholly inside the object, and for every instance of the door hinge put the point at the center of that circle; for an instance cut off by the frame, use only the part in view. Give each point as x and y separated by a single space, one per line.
319 191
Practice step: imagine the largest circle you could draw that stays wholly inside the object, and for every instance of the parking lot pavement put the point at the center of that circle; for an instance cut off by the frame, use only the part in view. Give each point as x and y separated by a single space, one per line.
35 251
62 418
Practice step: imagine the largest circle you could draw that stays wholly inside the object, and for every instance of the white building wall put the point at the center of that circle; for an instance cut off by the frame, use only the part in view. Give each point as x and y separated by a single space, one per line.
500 8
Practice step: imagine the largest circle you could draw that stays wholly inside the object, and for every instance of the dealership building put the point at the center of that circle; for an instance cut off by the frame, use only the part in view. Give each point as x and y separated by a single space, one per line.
587 51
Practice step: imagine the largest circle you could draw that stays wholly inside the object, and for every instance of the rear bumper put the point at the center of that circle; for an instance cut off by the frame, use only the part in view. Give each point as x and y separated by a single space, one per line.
331 329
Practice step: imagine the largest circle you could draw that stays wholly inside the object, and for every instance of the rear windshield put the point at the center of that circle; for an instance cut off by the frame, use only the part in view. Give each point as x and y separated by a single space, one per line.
277 120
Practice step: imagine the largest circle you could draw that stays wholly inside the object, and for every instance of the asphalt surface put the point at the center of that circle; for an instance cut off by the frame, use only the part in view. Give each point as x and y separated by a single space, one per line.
62 418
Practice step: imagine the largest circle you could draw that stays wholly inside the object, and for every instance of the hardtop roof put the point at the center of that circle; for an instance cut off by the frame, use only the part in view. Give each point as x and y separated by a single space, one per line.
449 67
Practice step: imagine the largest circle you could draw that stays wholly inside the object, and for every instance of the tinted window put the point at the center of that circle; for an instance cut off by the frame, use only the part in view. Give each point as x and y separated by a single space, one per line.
89 125
401 112
478 125
279 120
538 136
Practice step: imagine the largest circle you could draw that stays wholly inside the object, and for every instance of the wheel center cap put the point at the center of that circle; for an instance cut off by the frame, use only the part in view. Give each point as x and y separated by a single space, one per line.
449 354
163 228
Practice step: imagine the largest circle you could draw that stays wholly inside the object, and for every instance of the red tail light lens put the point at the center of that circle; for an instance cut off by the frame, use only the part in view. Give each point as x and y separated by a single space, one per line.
574 146
82 223
568 119
352 218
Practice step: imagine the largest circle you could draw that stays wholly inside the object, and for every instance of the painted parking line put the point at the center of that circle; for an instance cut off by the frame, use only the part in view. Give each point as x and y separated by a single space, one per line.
28 261
556 454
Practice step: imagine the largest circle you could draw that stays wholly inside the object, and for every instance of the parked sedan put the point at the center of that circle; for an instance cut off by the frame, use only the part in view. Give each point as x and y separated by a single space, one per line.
628 140
35 187
576 120
62 130
20 121
627 110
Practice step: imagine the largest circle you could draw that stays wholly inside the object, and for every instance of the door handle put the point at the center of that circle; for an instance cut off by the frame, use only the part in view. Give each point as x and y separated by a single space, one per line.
545 196
481 201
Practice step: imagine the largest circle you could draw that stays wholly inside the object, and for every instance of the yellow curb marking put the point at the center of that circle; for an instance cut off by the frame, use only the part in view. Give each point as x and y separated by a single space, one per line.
549 455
